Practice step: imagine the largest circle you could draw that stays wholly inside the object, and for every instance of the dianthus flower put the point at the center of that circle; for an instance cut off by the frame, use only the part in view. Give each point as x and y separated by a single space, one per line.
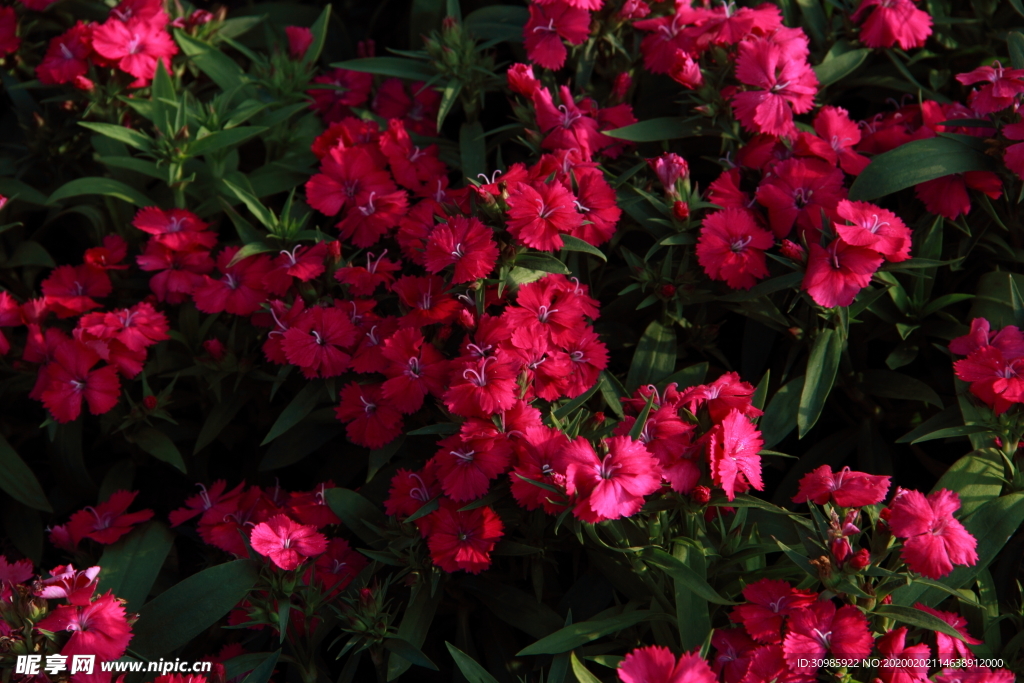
108 521
463 539
1009 340
820 628
410 491
98 629
731 248
67 583
837 273
481 388
70 378
948 196
655 664
733 452
844 488
597 202
891 22
67 57
866 225
769 603
997 379
371 419
136 45
286 542
797 192
547 26
949 647
315 342
613 486
782 87
933 540
538 213
465 243
415 369
902 663
343 90
466 463
239 290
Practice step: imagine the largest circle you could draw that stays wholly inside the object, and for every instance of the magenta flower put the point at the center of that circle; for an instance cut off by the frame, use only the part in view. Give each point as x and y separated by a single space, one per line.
656 664
781 87
614 486
933 541
891 22
844 488
837 273
548 25
286 542
731 248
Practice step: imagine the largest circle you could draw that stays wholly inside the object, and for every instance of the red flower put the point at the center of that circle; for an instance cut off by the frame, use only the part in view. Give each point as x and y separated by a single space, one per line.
465 242
9 40
731 248
68 56
69 378
837 273
733 452
17 572
205 500
875 228
597 203
371 420
286 542
410 491
725 394
902 663
1009 340
995 379
314 342
371 219
948 646
521 80
463 539
347 179
656 664
820 628
539 458
107 522
181 272
466 463
482 388
685 71
299 40
1001 90
239 291
302 262
784 86
797 192
176 229
769 603
65 583
588 356
947 196
545 313
538 213
336 567
110 255
99 629
547 26
426 298
893 21
418 113
70 290
136 45
347 89
138 327
835 128
614 486
415 369
844 488
365 281
933 540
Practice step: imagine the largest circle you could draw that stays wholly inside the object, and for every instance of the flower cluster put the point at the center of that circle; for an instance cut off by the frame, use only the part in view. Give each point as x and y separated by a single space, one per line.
993 365
80 623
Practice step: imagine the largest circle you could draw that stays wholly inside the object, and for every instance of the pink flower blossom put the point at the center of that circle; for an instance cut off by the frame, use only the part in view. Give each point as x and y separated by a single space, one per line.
548 25
891 22
782 87
731 248
933 541
655 664
837 273
286 542
613 486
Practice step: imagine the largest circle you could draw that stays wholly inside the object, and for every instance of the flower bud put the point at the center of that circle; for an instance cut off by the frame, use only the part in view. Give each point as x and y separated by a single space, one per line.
860 560
681 210
150 403
701 494
685 71
521 80
793 251
669 168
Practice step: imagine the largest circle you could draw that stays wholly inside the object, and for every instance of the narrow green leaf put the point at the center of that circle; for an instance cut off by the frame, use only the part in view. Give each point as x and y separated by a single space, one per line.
836 68
917 617
218 418
132 138
406 650
666 128
160 446
382 456
683 574
441 428
449 96
654 358
570 243
221 139
949 432
976 478
131 565
581 672
264 670
1015 44
572 636
821 373
513 606
889 384
687 377
473 672
17 479
30 253
300 406
498 22
814 19
102 186
356 512
146 168
917 162
188 608
473 150
221 69
419 614
390 66
319 31
641 420
539 261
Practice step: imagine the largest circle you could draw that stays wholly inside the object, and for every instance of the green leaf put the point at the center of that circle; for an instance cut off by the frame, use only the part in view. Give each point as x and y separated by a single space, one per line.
917 162
949 432
146 168
684 575
221 69
160 446
836 68
409 652
390 66
688 377
264 670
262 213
472 150
696 625
17 479
917 617
572 636
814 19
513 606
1015 44
473 672
16 189
419 614
976 478
570 243
666 128
250 249
654 358
356 512
889 384
131 565
103 186
641 420
581 672
218 418
300 406
449 96
775 284
821 373
572 405
498 22
440 428
220 139
188 608
132 138
382 456
539 261
319 31
30 253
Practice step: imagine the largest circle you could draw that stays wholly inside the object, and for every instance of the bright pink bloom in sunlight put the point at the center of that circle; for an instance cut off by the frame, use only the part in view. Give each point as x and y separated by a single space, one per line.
820 628
769 603
286 542
837 273
733 452
796 193
67 583
70 378
538 213
107 522
731 248
834 127
891 22
347 178
1001 89
99 628
136 46
482 388
933 540
844 488
415 368
902 663
685 71
782 87
613 486
548 25
463 539
465 242
866 225
655 664
598 204
371 419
